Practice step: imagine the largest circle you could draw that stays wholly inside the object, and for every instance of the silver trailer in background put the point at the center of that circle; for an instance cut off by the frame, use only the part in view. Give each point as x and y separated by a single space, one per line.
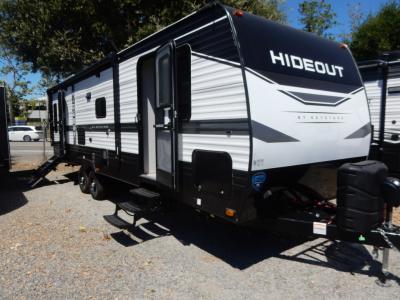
382 85
4 146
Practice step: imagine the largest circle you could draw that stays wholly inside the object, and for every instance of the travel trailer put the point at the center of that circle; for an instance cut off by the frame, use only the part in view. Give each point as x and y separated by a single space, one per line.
224 111
382 84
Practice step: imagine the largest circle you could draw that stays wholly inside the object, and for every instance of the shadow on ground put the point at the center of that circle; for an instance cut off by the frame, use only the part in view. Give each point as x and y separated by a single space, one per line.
240 247
12 187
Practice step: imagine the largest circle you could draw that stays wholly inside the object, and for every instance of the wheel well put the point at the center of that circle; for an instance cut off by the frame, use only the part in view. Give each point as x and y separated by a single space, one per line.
86 168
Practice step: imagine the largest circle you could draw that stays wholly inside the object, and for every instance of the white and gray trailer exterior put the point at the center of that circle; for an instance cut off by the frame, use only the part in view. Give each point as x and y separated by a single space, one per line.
382 85
213 109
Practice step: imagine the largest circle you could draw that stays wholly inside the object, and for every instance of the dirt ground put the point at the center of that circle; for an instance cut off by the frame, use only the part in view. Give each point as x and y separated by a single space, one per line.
55 244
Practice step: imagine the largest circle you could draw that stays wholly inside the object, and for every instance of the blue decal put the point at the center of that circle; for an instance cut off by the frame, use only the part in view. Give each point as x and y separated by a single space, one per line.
258 180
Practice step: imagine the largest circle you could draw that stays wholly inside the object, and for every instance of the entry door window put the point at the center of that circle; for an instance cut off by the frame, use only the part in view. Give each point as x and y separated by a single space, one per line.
163 68
55 117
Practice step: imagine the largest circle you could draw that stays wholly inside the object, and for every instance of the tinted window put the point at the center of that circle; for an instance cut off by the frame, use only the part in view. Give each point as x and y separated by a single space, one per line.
164 80
38 128
55 117
81 136
101 110
27 129
183 57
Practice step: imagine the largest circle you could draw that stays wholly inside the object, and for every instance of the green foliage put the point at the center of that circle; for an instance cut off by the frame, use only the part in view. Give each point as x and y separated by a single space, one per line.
378 33
356 17
317 17
17 88
59 37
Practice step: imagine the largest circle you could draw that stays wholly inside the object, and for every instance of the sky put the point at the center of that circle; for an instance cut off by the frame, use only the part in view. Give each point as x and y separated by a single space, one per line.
341 7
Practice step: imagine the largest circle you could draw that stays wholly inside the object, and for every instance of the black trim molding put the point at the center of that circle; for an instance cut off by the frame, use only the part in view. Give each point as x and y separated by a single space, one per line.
232 126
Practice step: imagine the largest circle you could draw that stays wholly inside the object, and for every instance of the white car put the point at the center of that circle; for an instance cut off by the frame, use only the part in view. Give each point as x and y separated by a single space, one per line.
24 133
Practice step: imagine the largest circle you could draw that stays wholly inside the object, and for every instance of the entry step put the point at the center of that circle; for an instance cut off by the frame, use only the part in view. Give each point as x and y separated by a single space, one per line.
132 207
145 193
117 221
43 170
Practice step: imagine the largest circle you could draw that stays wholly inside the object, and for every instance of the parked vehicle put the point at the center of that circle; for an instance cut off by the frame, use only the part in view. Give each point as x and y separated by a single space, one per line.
224 111
25 133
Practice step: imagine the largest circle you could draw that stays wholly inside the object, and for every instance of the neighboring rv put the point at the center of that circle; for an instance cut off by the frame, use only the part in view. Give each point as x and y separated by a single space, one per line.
5 160
211 111
382 84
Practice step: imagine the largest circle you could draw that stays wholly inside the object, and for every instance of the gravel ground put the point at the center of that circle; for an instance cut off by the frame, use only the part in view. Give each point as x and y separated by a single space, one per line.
55 244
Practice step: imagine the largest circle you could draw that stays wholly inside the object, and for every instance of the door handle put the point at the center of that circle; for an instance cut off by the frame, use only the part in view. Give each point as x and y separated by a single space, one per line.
161 126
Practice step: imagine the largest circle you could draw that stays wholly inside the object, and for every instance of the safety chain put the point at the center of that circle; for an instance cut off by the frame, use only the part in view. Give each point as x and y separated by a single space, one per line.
386 239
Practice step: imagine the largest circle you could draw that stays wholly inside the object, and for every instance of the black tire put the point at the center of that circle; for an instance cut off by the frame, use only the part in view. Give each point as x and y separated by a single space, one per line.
96 187
27 138
83 180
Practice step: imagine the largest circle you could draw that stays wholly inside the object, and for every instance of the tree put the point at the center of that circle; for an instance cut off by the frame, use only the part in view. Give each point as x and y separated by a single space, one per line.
59 37
378 33
356 17
18 87
317 17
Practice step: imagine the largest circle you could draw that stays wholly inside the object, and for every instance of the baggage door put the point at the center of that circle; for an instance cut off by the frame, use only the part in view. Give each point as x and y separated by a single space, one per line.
165 115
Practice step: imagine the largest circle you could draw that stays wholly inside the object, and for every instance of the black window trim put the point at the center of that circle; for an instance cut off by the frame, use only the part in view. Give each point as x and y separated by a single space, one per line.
101 112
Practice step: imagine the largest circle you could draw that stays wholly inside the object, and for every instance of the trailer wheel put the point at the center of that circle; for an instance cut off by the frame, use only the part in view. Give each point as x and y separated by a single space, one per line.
96 187
83 180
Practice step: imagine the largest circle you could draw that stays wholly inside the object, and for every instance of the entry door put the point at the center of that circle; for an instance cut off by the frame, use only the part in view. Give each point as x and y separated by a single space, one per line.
165 116
58 120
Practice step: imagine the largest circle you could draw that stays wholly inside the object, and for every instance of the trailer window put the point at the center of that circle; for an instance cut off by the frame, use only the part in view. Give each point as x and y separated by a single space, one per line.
55 117
101 110
163 68
81 136
183 59
164 89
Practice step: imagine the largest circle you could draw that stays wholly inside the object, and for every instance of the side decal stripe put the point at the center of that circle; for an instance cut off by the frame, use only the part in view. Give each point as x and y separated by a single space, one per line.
360 133
269 135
